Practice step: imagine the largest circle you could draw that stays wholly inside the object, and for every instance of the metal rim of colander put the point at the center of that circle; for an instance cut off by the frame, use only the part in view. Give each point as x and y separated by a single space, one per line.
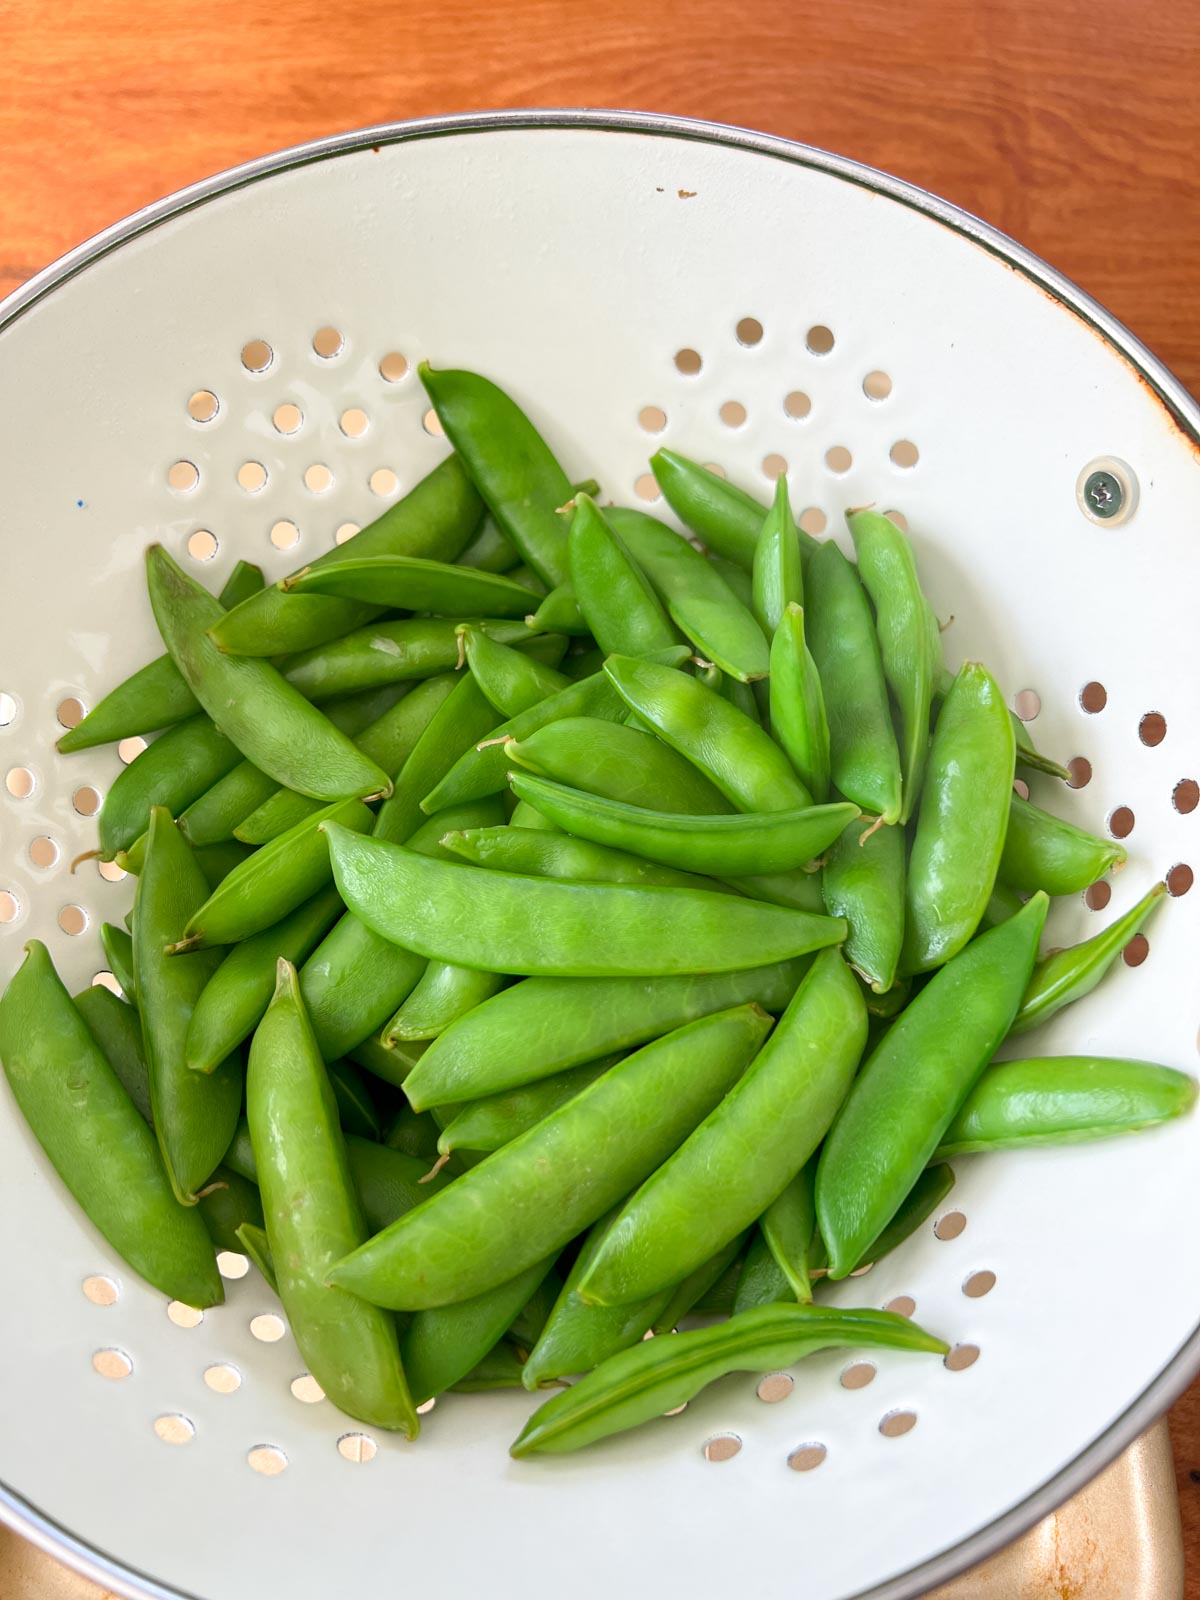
108 1570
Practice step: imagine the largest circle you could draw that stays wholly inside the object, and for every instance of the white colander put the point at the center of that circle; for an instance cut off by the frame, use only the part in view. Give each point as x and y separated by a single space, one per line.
634 281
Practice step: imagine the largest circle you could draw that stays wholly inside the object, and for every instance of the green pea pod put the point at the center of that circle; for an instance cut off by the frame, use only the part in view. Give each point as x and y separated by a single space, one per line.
1029 756
313 1217
863 881
799 890
239 991
444 1343
387 652
527 1325
355 979
117 1029
172 771
797 704
535 1194
509 462
743 697
443 993
156 695
660 1375
719 1299
914 1082
118 952
617 600
228 1203
1068 975
413 1133
95 1137
617 761
253 1242
762 1281
270 884
559 613
215 814
389 1182
736 576
501 922
523 816
511 680
1003 903
495 1121
1044 852
1018 1105
776 575
409 583
789 1225
269 721
392 1066
909 639
501 1368
194 1113
217 861
686 1295
740 759
541 854
743 1155
726 518
239 1157
720 846
435 520
699 601
490 550
930 1189
545 1025
356 1109
962 822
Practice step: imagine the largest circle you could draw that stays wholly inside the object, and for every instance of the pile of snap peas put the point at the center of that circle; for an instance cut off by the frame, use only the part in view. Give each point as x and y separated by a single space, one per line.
548 927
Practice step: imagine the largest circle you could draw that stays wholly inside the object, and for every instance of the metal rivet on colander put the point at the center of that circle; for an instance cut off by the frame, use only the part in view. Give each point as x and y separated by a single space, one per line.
1107 491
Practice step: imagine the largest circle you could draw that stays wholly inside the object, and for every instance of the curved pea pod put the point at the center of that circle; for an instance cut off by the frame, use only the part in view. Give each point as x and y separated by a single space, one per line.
529 1198
864 759
699 601
1044 852
1028 754
746 1151
1018 1105
117 1029
686 1295
194 1113
356 1109
776 574
172 771
511 680
490 550
542 854
797 704
863 881
921 1201
253 1242
435 520
719 846
313 1216
789 1226
559 613
617 600
239 991
270 884
725 517
387 652
228 1203
962 822
444 1343
1068 975
269 721
413 1133
389 1182
155 696
501 922
95 1137
545 1025
118 952
215 814
909 639
495 1121
914 1082
660 1375
740 759
615 760
509 462
762 1281
410 583
443 993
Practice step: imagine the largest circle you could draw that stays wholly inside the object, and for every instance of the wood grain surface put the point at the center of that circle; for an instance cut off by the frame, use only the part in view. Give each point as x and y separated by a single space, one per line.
1071 124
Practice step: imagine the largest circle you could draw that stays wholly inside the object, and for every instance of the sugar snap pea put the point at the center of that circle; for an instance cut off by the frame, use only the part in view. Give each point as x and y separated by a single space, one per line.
744 763
660 1375
726 518
799 890
214 815
118 952
501 922
863 881
409 583
560 613
511 680
696 1285
797 704
413 1133
1044 852
229 1202
387 652
253 1242
746 1151
914 1082
313 1217
622 763
542 854
434 520
490 550
622 611
1017 1105
721 846
194 1113
509 462
930 1189
530 1197
443 993
444 1343
357 1112
962 821
117 1029
789 1226
1003 903
489 1123
269 721
95 1137
172 771
762 1281
776 574
1068 975
501 1368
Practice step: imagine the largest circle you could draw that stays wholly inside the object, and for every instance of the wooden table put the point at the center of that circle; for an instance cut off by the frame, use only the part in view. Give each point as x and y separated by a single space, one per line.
1072 124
